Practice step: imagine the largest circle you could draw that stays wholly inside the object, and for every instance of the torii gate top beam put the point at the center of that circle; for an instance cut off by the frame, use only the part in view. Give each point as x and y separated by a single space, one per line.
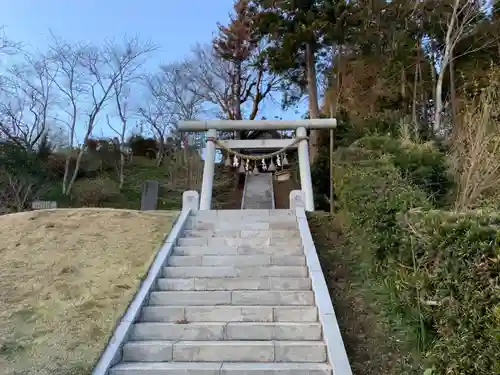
228 125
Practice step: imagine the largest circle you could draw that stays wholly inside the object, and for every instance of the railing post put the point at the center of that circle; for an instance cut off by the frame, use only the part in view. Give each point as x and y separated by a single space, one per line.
305 170
208 172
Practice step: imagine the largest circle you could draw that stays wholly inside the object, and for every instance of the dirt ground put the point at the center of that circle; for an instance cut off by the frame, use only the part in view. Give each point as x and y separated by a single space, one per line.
228 198
365 339
67 276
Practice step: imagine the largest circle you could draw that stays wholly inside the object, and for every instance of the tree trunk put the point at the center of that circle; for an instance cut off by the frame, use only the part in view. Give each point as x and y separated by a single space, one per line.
453 93
67 186
314 112
434 92
66 172
445 61
122 170
77 167
414 99
416 86
334 108
403 88
237 91
236 97
159 153
438 101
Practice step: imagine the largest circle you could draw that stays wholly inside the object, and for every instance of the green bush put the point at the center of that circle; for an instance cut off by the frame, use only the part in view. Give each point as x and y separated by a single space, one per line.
23 176
373 192
94 193
456 265
320 174
344 134
56 164
141 146
423 165
437 274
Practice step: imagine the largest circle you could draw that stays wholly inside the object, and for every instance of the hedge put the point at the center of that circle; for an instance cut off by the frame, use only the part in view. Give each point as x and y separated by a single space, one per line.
423 165
437 272
457 268
372 191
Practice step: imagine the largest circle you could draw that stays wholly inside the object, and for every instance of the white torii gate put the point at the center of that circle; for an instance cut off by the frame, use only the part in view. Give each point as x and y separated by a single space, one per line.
212 126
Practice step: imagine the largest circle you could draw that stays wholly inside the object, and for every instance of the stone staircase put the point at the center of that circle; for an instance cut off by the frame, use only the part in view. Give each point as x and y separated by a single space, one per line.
234 299
258 193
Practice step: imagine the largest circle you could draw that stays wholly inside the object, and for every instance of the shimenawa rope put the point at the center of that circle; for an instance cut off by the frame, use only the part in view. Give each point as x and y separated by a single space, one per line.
256 157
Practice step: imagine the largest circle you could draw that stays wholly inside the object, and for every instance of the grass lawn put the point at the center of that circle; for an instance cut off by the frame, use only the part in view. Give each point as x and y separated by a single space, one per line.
67 276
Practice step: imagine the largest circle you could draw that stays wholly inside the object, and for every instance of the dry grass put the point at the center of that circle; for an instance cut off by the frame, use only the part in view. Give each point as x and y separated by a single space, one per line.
67 276
476 147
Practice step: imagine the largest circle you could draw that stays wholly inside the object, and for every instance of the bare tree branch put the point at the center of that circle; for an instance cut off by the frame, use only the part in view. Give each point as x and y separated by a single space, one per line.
121 91
28 98
157 113
459 25
180 90
87 78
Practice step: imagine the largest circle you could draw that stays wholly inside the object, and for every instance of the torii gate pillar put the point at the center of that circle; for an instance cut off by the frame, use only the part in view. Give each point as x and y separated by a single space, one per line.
208 172
305 170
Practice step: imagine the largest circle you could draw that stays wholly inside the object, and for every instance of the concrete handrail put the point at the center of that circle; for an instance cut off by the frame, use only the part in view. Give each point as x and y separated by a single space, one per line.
244 191
337 355
273 203
112 354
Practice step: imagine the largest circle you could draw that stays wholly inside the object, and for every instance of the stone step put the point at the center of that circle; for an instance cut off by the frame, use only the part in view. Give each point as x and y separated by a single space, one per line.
243 213
258 192
237 250
244 218
229 314
241 224
236 297
225 351
191 233
228 271
220 368
206 331
236 260
237 241
235 283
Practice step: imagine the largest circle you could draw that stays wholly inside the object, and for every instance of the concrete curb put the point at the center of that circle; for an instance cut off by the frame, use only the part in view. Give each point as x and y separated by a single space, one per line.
337 355
113 352
244 191
273 203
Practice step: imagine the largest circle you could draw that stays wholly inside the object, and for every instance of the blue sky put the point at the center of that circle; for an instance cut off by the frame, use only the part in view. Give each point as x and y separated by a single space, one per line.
174 26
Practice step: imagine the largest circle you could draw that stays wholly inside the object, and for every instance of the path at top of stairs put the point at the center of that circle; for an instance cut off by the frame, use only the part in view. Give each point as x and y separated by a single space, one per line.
258 192
235 299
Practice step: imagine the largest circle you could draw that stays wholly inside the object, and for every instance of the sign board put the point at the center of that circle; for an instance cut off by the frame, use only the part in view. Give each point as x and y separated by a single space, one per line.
282 175
43 205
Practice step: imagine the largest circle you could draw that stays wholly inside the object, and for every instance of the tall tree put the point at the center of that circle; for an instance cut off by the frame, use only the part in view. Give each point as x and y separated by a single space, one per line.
295 43
234 74
336 17
461 17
